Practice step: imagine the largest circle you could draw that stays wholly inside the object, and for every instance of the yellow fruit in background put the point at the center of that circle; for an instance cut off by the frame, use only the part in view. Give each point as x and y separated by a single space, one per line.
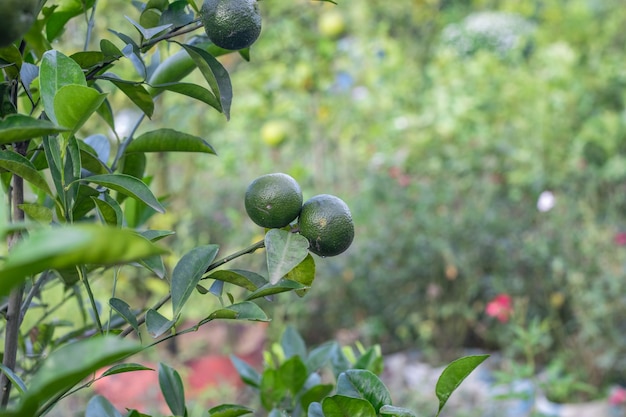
16 18
231 24
273 200
331 24
274 132
325 220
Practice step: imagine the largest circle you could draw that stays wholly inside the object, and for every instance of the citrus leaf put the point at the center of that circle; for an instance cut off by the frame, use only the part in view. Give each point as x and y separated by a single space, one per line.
155 235
293 374
342 406
129 186
68 246
320 356
188 272
74 104
21 166
98 406
304 273
70 364
62 14
123 309
315 394
157 324
281 286
246 310
191 90
107 212
172 388
247 373
390 410
155 265
245 279
453 375
148 33
169 140
57 70
284 252
292 343
14 378
215 74
229 410
125 367
134 91
19 127
37 212
361 383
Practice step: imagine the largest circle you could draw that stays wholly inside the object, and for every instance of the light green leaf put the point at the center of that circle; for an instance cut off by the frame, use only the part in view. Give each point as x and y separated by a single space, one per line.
188 272
21 166
68 246
284 252
57 70
169 140
37 212
129 186
19 127
342 406
107 212
293 374
98 406
390 410
74 104
453 375
172 388
304 273
364 384
229 410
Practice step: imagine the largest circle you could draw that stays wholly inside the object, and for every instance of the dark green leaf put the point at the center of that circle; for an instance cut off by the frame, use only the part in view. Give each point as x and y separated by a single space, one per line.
269 289
157 324
361 383
169 140
390 410
188 272
293 374
245 279
88 59
177 14
134 91
229 410
125 367
109 49
246 310
130 186
453 375
246 372
98 406
155 235
106 112
284 250
123 309
21 166
315 394
191 90
19 127
57 70
292 343
107 212
150 32
14 378
342 406
172 388
155 265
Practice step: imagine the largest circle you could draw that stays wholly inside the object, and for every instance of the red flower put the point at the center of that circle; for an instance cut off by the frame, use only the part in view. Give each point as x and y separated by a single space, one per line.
617 396
620 239
501 307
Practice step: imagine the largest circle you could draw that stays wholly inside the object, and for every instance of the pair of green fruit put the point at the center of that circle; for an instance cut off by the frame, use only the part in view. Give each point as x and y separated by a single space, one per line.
275 200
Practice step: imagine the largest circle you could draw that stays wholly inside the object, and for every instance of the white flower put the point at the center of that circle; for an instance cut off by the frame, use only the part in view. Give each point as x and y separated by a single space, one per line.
546 201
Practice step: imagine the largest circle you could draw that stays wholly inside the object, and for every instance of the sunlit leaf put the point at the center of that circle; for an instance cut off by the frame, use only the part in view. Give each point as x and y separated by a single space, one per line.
74 104
19 127
57 70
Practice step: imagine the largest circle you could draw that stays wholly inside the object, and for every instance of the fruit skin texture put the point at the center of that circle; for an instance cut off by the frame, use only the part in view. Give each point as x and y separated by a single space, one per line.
273 200
325 220
231 24
16 18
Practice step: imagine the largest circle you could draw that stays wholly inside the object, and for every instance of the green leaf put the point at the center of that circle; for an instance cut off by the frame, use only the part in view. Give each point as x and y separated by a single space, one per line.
4 216
390 410
246 310
61 15
19 127
272 390
315 410
148 33
125 367
134 91
70 364
91 162
304 273
169 140
285 250
342 406
155 265
37 212
247 373
98 406
21 166
107 212
245 279
68 246
191 90
123 309
88 59
57 70
157 324
229 410
268 289
292 343
14 378
172 388
315 394
215 74
293 374
74 104
188 272
361 383
129 186
453 375
320 356
371 360
156 235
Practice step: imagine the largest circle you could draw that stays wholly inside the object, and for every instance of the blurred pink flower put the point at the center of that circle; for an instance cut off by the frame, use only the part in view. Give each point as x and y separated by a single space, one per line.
500 307
620 239
617 396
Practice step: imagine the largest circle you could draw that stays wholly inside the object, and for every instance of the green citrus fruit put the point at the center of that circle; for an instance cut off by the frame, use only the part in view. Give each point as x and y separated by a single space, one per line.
273 200
231 24
274 132
325 220
332 24
16 18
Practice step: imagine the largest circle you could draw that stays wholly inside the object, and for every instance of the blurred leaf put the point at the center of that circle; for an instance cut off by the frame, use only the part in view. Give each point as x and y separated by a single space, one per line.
453 375
284 252
21 166
123 309
315 394
155 235
157 324
65 247
61 15
57 70
390 410
74 104
155 265
229 410
304 273
14 378
98 406
215 74
342 406
188 272
320 356
272 390
28 73
364 384
172 388
293 374
371 360
19 127
129 186
247 373
268 289
125 367
245 279
315 410
338 360
169 140
292 343
107 212
37 212
134 91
